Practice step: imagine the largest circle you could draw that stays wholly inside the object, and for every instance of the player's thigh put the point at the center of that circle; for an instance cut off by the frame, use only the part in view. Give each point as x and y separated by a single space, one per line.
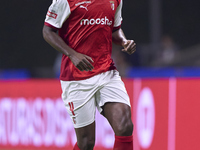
119 117
112 91
114 101
80 104
82 114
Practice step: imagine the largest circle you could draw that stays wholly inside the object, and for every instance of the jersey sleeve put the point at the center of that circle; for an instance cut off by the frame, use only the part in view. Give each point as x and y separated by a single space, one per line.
118 15
57 13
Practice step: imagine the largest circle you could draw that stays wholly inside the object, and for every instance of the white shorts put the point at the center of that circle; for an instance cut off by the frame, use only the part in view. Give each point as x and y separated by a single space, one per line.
81 98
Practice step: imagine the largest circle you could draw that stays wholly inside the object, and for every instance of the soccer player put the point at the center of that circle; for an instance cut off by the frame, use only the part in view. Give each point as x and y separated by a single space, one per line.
89 79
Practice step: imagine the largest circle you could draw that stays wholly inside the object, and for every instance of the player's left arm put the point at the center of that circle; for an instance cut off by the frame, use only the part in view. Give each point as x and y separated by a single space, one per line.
119 38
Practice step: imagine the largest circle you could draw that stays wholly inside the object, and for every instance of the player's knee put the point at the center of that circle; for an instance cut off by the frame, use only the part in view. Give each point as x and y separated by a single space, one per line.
87 144
125 128
130 127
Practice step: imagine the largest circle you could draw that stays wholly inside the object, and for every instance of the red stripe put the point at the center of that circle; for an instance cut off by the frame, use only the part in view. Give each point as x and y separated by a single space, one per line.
71 105
116 28
49 25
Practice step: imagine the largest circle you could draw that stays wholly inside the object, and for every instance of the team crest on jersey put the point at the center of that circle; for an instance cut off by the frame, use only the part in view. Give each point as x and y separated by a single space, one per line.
112 3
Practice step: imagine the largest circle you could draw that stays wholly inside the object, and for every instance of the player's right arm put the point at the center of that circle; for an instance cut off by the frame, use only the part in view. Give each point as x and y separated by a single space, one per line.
57 13
81 61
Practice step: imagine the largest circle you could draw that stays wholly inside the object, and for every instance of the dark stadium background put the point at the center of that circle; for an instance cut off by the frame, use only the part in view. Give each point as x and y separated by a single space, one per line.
22 45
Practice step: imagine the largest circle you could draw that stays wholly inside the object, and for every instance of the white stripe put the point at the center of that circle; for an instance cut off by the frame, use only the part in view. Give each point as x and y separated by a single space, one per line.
137 86
172 114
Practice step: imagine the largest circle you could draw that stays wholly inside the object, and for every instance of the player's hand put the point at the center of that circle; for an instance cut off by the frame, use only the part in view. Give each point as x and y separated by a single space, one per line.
82 62
129 46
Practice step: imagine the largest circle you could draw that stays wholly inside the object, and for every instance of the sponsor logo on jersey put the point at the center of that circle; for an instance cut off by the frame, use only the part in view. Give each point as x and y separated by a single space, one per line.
83 4
112 3
101 21
84 7
52 14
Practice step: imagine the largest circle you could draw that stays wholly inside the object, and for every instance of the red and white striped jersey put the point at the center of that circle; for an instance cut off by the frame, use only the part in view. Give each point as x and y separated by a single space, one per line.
86 26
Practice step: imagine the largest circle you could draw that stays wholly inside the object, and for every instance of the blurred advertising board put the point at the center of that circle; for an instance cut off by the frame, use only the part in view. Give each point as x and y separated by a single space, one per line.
165 114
